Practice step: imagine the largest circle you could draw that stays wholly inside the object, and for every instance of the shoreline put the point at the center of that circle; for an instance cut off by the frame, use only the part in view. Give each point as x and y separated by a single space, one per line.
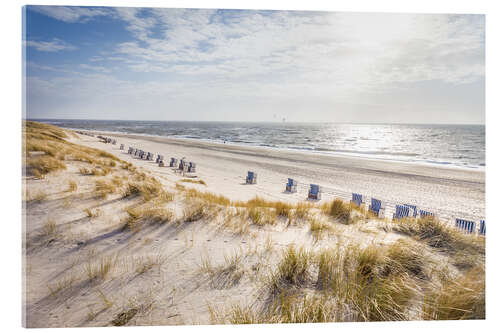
451 192
359 155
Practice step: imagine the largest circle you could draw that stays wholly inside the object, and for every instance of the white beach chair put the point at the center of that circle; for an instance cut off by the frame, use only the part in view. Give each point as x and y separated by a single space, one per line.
414 209
357 199
466 226
314 192
402 211
424 213
291 186
191 167
377 207
251 178
482 228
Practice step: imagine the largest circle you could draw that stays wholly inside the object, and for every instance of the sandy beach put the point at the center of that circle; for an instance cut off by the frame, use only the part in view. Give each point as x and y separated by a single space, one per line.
112 240
450 192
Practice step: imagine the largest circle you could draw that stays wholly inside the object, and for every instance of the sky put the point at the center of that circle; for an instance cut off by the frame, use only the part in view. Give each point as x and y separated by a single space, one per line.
246 65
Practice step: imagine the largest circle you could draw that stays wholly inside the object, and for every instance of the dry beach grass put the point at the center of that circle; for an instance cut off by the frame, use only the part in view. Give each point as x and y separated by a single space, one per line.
111 240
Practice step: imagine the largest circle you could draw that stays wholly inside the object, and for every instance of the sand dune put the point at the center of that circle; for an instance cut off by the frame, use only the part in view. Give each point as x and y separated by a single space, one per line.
99 256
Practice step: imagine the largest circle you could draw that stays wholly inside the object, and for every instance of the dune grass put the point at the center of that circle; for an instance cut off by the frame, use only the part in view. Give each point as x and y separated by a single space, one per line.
152 212
101 268
458 299
193 181
292 271
40 166
339 210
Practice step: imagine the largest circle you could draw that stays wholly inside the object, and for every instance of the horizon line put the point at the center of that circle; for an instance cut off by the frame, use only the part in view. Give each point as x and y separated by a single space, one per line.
264 121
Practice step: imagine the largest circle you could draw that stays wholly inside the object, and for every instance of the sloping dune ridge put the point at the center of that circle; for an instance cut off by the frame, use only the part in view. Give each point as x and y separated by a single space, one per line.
112 240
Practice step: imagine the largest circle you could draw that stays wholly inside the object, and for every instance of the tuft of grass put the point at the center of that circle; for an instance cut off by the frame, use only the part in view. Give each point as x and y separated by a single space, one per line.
147 189
464 249
49 228
92 213
72 186
108 303
41 165
193 181
318 227
339 210
292 270
302 211
458 299
100 269
104 188
194 212
150 212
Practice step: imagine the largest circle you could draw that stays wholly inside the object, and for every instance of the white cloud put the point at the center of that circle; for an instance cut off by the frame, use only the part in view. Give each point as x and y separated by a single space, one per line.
311 65
71 14
54 45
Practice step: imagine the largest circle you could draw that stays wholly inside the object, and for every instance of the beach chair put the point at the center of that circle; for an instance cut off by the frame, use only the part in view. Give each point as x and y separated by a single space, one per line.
291 186
251 178
192 167
482 228
122 146
159 158
149 156
113 141
402 211
130 150
414 209
161 164
377 207
173 162
357 199
424 213
314 192
466 226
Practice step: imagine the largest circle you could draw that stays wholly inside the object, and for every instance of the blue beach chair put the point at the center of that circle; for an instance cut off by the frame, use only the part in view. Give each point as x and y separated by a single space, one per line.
402 211
314 192
465 225
424 213
357 199
482 228
291 186
251 178
173 162
191 167
377 207
414 209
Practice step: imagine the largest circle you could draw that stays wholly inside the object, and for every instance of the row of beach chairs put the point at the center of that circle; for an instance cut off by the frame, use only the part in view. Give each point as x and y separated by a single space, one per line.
85 133
291 186
378 206
181 165
107 140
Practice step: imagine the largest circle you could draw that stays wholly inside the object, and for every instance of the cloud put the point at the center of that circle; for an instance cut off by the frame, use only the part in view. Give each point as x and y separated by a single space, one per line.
336 48
53 46
71 14
183 63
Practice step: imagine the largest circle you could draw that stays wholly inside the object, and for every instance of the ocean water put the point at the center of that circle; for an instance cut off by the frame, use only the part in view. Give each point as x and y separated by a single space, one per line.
453 145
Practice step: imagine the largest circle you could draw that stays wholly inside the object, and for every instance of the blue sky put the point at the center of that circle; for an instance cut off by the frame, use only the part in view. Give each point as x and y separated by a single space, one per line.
187 64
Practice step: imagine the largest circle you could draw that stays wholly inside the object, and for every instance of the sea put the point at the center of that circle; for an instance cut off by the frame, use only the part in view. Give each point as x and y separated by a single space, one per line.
461 146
